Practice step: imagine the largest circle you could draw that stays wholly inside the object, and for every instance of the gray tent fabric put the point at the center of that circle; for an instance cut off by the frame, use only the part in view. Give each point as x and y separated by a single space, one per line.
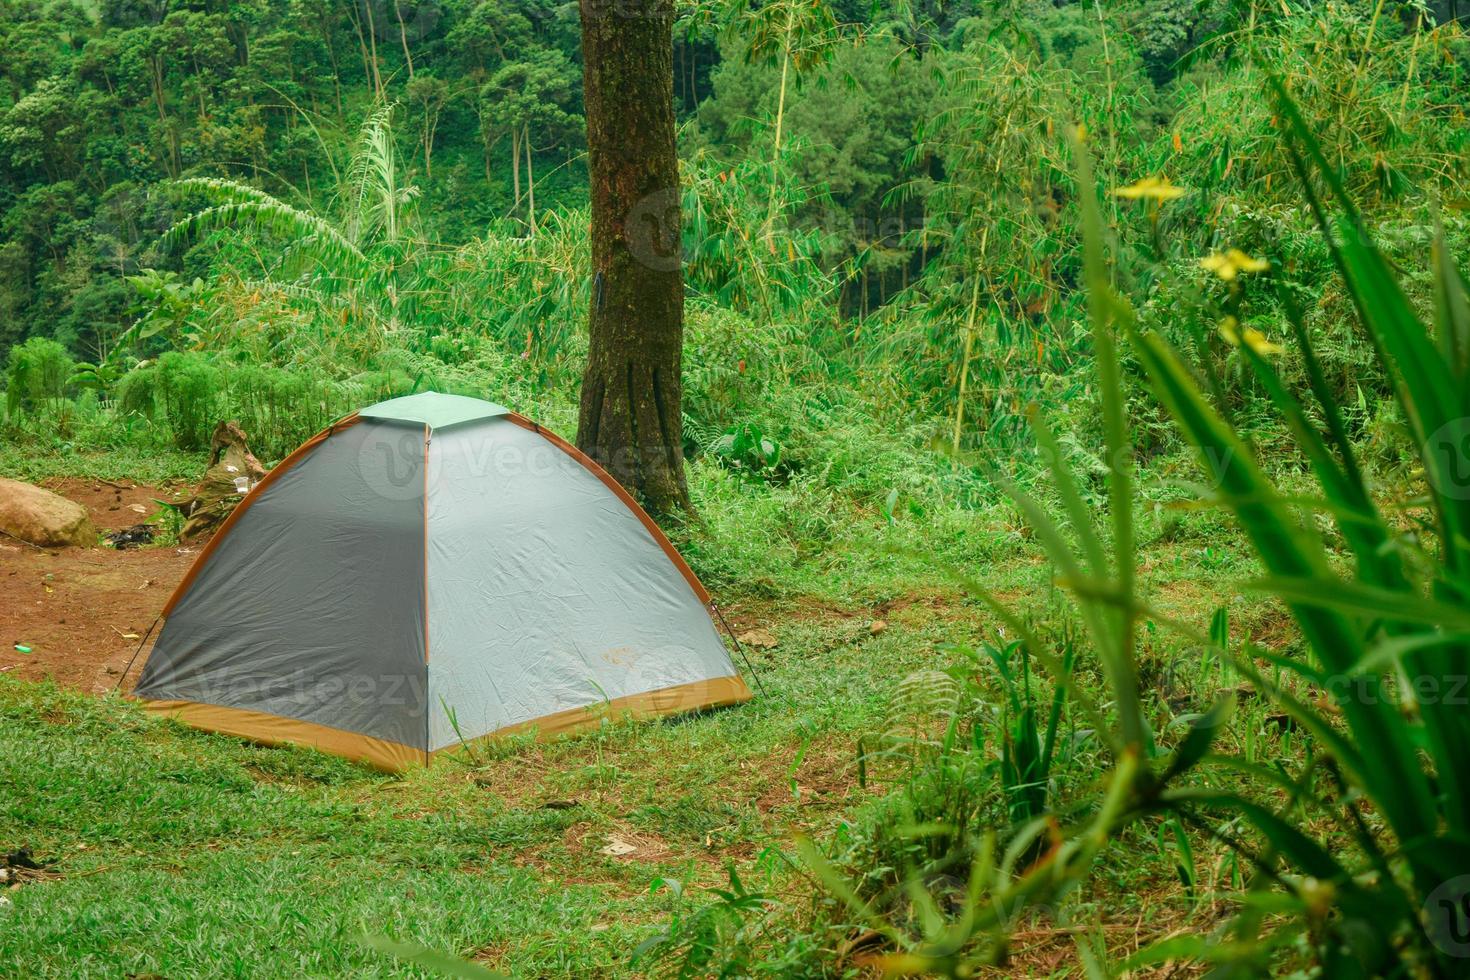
562 600
313 607
393 589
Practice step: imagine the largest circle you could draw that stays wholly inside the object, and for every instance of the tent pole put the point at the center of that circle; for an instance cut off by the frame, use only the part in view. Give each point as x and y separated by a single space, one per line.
739 648
134 657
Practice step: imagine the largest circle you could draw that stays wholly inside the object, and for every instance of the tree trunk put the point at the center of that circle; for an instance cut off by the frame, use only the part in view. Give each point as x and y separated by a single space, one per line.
403 36
331 45
515 168
372 40
630 418
486 145
530 182
367 71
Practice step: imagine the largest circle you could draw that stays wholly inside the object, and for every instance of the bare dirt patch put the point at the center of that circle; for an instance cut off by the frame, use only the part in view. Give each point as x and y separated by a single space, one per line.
82 611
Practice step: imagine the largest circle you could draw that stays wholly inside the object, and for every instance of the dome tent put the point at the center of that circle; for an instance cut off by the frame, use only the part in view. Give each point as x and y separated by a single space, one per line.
430 570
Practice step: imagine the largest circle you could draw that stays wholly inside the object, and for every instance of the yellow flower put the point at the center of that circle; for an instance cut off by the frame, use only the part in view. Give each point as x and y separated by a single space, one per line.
1250 336
1153 189
1229 264
1257 342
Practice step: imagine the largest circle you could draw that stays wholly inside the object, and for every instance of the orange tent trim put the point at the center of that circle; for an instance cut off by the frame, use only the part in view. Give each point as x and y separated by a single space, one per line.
268 729
717 692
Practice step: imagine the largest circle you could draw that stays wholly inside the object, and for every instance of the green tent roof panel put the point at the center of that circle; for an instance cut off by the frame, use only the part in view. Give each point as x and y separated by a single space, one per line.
434 410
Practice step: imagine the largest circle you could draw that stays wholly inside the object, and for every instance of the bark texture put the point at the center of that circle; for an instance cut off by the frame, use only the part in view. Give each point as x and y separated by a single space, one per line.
630 419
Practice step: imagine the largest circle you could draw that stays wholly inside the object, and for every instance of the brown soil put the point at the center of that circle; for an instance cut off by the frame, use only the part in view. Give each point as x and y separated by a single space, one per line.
82 611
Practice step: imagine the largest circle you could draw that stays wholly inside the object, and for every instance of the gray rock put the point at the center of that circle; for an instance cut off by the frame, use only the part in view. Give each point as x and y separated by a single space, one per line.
42 517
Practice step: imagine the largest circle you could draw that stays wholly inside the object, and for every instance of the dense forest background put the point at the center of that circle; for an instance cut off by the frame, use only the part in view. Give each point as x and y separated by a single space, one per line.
884 138
281 210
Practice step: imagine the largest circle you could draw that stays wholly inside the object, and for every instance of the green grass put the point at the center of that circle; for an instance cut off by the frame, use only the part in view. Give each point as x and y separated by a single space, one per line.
23 459
186 854
179 853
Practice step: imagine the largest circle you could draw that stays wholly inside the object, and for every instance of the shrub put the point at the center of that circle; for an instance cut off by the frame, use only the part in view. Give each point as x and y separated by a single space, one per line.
38 377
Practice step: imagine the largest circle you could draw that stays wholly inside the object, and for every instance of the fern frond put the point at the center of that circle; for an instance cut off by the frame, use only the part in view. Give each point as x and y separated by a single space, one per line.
372 179
265 214
220 190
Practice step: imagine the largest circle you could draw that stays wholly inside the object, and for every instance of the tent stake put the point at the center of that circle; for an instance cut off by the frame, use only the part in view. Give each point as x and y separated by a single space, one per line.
134 657
739 648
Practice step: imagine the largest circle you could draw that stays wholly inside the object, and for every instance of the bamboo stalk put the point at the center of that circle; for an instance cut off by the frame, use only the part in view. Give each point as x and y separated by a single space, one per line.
959 412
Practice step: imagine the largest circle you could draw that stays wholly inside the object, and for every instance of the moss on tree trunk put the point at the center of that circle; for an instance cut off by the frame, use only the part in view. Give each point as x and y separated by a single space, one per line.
630 419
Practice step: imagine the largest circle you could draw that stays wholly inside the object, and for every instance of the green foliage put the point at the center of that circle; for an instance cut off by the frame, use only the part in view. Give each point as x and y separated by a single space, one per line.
694 942
731 258
1379 99
39 373
1382 644
899 356
961 763
187 385
744 447
1028 743
1391 627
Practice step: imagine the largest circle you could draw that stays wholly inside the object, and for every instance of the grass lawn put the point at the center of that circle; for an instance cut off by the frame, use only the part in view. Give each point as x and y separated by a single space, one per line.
170 852
178 853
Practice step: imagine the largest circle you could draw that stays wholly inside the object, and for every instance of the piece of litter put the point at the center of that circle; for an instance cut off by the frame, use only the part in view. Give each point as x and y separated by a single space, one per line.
617 848
877 627
22 648
138 507
125 636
